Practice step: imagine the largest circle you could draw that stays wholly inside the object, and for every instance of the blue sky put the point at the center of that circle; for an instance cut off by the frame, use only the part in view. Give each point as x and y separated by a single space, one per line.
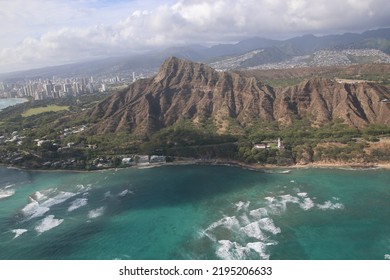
37 33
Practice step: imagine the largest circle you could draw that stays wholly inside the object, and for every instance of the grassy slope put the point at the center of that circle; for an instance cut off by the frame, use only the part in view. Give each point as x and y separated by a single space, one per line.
40 110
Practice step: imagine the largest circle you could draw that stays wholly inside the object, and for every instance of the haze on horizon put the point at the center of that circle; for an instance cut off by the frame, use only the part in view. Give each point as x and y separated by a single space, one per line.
39 33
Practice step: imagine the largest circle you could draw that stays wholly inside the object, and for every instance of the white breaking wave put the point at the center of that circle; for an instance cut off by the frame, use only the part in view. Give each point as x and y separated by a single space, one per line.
257 225
230 223
6 193
34 210
77 203
269 198
38 196
267 224
307 204
48 223
58 199
329 205
387 257
260 248
9 186
278 205
125 192
96 213
259 213
18 232
242 205
228 250
80 187
253 230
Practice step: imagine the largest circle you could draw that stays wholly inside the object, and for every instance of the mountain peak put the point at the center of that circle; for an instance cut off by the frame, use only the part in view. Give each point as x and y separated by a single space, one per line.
174 67
187 90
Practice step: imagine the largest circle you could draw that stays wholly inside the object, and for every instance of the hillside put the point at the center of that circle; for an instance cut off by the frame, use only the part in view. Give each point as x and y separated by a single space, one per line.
187 90
190 110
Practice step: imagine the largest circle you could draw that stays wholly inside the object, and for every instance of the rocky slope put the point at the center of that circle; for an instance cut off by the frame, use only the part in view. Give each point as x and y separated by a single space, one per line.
183 89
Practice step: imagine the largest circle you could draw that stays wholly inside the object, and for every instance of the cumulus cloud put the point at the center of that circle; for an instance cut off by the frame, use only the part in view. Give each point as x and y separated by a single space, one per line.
109 29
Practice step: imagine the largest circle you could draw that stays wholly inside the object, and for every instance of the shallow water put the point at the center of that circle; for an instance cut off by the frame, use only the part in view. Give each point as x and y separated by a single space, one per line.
195 212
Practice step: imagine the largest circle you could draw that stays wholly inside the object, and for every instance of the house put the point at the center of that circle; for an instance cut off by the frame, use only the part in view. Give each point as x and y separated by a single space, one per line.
128 161
143 160
155 159
280 144
261 146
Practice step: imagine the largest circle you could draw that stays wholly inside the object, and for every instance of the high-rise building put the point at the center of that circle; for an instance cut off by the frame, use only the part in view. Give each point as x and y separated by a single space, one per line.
48 88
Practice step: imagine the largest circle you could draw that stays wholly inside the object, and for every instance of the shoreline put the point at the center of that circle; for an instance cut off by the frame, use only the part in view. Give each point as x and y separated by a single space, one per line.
219 162
256 166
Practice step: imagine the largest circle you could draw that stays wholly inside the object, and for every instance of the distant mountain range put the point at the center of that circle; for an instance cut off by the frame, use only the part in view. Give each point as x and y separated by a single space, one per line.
193 91
258 51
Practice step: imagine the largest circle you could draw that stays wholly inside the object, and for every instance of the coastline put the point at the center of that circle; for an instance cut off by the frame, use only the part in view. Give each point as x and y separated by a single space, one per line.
221 162
259 167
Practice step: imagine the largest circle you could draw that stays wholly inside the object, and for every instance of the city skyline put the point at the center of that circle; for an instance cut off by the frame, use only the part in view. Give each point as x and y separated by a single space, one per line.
45 33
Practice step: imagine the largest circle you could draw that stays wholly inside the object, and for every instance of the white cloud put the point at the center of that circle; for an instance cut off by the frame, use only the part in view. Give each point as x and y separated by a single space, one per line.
40 33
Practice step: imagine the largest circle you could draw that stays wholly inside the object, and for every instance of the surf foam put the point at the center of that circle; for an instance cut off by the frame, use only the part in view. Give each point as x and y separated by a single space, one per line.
18 232
228 250
93 214
259 213
58 199
242 205
253 230
34 210
329 205
38 196
260 248
125 192
307 204
6 193
77 203
267 224
48 223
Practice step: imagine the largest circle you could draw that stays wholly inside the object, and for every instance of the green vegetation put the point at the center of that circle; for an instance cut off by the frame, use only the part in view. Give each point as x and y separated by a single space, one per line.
284 82
40 110
67 142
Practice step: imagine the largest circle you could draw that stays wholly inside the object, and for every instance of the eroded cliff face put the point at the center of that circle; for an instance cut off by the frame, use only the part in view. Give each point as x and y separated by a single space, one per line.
183 89
323 100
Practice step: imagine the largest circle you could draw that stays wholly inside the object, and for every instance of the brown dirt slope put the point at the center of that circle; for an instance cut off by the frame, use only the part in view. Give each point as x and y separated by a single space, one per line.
183 89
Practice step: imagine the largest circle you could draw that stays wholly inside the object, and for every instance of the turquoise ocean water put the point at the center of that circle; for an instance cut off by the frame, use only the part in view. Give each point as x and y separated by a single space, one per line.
195 212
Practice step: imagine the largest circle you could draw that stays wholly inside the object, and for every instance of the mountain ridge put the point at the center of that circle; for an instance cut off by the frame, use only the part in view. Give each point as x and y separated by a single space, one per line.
146 62
186 90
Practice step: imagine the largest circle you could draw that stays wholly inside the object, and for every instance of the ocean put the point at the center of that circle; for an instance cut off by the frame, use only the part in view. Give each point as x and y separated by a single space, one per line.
6 102
195 212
